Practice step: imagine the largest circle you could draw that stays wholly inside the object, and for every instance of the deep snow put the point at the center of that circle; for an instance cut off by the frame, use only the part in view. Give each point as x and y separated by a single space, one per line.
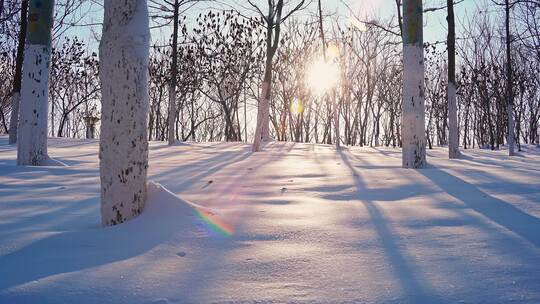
298 223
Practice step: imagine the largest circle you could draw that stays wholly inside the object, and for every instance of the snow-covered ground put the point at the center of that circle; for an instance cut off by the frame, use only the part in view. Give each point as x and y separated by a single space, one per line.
299 223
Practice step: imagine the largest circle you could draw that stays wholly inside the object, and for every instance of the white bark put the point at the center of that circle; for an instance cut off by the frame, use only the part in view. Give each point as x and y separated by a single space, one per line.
32 129
453 134
123 152
413 121
15 100
263 118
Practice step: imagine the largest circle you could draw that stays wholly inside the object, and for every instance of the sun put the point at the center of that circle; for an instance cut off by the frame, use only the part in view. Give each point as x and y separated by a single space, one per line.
322 76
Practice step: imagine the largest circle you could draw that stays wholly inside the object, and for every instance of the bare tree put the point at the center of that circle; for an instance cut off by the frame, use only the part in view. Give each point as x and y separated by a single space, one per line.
74 83
163 13
509 84
174 73
272 21
17 78
453 131
227 45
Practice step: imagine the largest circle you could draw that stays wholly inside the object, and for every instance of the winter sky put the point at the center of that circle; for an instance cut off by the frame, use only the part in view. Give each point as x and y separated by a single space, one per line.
434 22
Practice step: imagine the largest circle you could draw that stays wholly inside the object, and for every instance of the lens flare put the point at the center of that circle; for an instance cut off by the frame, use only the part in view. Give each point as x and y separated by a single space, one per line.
322 76
332 52
297 107
214 223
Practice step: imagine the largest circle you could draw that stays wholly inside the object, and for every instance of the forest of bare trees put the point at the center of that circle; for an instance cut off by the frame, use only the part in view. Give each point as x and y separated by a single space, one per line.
220 59
269 151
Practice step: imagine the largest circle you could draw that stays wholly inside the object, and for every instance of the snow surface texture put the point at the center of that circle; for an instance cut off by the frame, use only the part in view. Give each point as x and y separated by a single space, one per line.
298 223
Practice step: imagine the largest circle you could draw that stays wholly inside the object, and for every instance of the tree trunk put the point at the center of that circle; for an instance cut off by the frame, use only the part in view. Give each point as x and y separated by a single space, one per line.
453 130
273 29
124 50
263 111
174 72
17 78
400 19
61 125
245 116
32 127
509 93
336 118
4 124
413 124
192 119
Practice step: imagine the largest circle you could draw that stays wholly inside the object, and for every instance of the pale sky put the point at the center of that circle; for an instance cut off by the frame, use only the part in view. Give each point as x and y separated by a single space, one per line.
434 22
435 28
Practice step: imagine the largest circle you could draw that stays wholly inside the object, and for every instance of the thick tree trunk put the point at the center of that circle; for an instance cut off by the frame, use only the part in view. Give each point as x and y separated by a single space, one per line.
263 116
174 73
413 123
263 110
32 127
124 50
453 130
17 78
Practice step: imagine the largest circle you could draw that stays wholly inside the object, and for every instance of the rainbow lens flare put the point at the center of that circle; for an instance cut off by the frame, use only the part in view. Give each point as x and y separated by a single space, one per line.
214 223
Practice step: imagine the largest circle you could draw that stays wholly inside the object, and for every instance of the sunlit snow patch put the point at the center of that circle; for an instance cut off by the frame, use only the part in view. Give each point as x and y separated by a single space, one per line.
52 162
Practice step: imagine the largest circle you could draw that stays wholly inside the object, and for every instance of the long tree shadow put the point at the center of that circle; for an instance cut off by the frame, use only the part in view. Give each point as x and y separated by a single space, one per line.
200 170
488 160
48 201
416 289
196 171
71 251
499 211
